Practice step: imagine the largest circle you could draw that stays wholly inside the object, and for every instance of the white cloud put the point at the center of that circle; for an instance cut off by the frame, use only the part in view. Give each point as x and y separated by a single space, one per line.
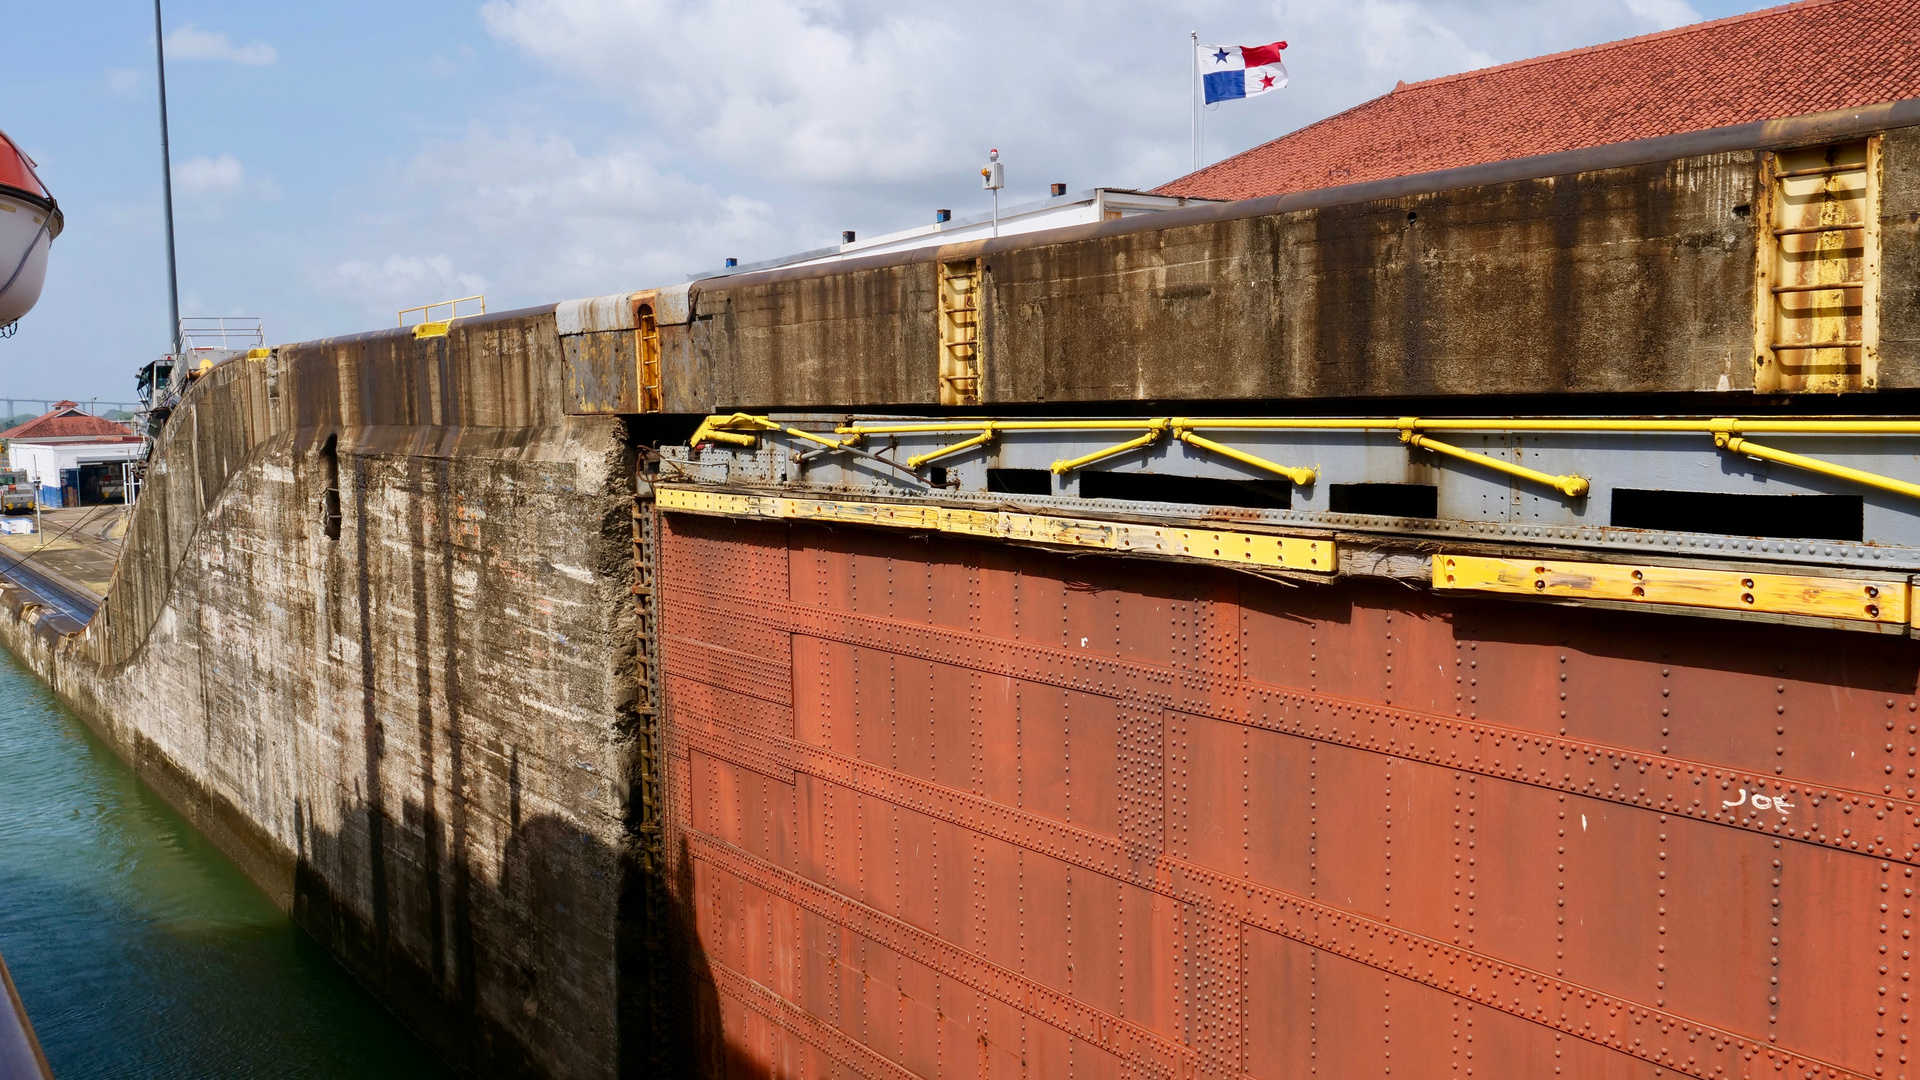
123 80
191 43
1408 37
1664 14
404 279
839 92
546 218
203 175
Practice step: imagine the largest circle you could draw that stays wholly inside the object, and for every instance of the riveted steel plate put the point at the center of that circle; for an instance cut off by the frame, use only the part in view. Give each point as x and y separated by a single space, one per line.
940 805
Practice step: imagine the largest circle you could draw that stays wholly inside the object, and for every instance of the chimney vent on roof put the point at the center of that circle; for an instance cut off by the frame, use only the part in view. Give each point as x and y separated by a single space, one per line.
1059 190
1399 86
847 237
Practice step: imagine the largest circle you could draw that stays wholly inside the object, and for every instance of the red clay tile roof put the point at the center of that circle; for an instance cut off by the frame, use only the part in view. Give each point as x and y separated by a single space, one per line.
65 421
1787 61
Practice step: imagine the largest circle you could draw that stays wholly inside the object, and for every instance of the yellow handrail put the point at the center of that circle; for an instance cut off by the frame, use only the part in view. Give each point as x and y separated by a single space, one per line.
1796 425
1727 433
452 306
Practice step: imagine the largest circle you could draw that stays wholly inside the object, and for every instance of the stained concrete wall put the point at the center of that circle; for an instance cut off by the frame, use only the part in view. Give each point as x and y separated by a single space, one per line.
414 733
1629 280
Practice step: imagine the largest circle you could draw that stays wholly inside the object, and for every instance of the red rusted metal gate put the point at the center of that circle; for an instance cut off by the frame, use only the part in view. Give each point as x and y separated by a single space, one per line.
947 808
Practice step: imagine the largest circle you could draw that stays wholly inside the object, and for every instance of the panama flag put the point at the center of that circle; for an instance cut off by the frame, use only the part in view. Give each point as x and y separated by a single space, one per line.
1237 71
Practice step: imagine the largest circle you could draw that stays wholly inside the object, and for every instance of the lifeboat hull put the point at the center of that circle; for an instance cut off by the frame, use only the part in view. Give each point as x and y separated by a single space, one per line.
29 221
26 235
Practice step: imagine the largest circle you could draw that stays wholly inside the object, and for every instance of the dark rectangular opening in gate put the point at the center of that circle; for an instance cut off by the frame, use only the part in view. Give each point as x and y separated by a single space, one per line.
1199 490
1793 517
1020 481
1387 500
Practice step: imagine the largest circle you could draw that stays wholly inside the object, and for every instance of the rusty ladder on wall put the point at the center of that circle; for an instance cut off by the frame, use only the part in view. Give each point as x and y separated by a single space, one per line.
646 347
960 333
1816 323
651 855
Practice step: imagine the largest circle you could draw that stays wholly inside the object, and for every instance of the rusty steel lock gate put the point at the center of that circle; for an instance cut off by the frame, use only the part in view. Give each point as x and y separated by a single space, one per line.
944 807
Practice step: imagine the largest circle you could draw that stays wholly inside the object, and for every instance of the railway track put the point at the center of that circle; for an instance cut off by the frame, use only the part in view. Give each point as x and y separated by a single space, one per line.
65 600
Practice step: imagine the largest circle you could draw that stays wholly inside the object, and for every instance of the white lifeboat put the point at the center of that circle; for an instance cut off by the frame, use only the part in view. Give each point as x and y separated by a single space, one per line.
29 220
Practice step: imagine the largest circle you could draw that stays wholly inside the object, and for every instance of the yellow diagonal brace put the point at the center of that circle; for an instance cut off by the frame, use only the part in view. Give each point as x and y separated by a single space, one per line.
1300 474
710 430
1571 486
811 437
985 437
1738 445
1156 427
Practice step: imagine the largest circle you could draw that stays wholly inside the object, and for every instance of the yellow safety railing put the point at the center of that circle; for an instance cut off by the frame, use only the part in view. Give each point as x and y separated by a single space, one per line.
1728 433
452 306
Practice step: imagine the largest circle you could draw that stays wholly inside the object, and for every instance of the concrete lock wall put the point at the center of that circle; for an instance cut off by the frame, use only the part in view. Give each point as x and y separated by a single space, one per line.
1517 280
407 724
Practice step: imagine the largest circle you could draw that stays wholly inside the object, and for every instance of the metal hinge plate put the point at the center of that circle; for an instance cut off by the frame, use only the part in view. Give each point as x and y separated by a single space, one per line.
1864 600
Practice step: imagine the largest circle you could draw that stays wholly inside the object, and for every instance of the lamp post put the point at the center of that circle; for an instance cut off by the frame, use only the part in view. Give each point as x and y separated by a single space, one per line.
993 178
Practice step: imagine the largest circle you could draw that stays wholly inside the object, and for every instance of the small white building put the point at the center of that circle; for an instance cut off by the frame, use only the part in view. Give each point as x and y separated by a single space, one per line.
72 457
1054 212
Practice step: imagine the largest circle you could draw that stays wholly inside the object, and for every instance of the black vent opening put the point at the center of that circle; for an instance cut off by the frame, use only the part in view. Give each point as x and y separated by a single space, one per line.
1387 500
1151 487
330 495
1020 481
1788 517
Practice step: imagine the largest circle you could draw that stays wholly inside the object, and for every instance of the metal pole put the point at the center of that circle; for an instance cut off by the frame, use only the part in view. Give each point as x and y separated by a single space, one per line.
1195 35
166 180
996 211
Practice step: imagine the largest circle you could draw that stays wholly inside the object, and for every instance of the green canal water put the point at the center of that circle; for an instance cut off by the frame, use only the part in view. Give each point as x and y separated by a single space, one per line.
139 949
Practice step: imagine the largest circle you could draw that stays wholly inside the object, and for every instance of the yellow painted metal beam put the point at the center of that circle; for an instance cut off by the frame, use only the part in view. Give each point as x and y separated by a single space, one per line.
1230 547
1573 487
1878 601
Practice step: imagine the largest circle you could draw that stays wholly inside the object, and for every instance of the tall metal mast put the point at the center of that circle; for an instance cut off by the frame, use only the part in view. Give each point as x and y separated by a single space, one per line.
166 181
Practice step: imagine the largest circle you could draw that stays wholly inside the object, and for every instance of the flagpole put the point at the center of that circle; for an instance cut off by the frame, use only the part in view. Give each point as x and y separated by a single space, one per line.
166 183
1195 35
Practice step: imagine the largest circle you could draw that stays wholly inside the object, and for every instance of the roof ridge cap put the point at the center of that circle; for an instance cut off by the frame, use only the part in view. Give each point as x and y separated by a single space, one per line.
1677 31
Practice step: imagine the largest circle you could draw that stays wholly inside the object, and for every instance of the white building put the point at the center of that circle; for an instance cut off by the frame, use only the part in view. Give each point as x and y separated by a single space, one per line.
73 458
1055 212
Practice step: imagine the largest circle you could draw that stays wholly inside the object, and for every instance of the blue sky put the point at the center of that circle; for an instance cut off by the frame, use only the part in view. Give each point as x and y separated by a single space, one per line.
335 162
